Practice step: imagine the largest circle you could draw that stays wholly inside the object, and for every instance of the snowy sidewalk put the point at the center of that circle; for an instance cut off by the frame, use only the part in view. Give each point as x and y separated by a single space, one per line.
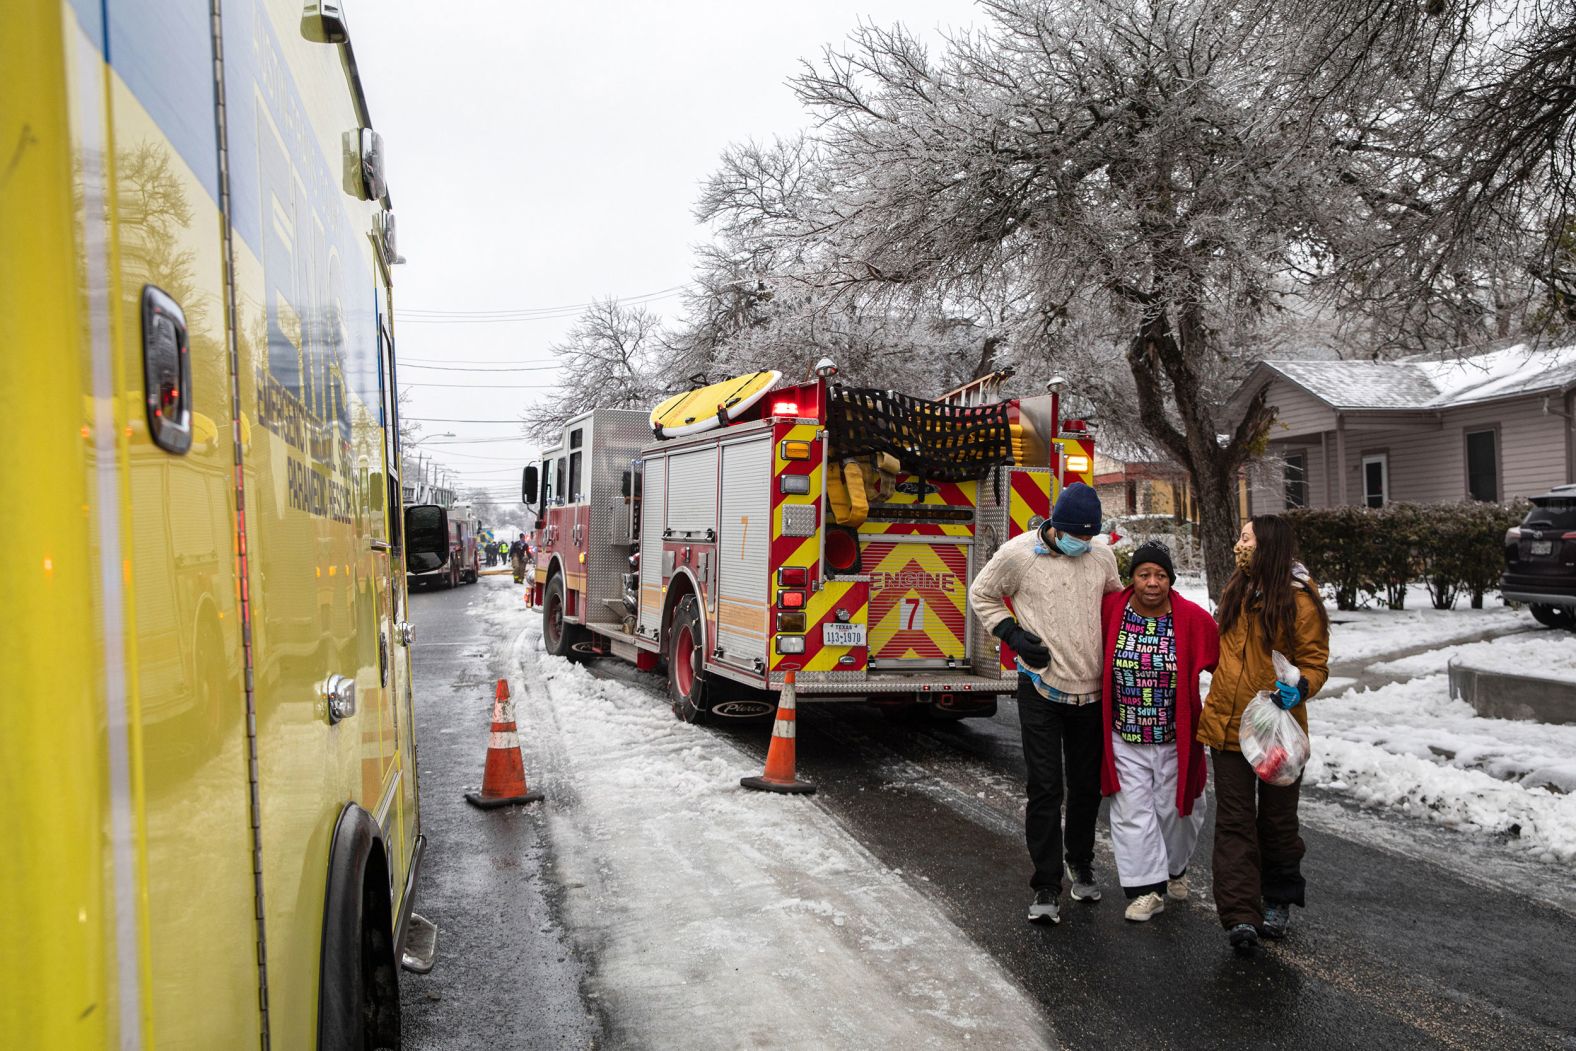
721 918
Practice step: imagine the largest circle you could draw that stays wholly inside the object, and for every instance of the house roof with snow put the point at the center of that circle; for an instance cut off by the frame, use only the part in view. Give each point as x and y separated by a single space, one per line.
1427 385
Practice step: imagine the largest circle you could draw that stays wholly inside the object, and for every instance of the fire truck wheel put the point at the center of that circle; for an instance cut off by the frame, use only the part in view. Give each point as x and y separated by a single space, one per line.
689 687
558 635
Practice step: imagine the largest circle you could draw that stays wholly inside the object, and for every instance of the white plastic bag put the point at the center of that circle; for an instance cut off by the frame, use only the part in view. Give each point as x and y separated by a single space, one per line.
1271 740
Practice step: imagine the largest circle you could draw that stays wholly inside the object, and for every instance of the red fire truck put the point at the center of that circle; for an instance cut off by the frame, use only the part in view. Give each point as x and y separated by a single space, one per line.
825 530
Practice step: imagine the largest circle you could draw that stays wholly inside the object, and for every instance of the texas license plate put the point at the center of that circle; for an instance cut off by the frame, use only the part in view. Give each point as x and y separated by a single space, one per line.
842 634
1543 547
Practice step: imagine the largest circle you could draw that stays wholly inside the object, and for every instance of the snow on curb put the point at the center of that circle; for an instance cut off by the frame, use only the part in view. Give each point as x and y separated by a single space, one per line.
725 918
1408 745
1536 819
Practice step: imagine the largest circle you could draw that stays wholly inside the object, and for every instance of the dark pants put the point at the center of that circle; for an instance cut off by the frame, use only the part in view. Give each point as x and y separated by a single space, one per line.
1058 739
1258 849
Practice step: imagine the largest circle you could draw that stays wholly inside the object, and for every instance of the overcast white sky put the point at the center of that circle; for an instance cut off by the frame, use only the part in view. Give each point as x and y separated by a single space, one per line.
542 154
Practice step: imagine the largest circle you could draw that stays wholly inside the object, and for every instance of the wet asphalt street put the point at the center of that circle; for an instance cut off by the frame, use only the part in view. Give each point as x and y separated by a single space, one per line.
1415 936
505 976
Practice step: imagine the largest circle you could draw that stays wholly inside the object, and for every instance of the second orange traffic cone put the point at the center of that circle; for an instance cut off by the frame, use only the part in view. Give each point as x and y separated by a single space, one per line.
503 782
779 773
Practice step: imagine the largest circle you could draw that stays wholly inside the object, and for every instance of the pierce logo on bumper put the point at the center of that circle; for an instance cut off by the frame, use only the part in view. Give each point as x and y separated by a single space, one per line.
742 709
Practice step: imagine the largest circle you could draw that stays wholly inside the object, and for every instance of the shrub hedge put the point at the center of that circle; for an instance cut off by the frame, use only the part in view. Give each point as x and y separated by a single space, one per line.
1370 554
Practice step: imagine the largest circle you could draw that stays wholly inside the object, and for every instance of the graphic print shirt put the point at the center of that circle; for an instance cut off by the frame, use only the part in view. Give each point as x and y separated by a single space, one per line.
1144 674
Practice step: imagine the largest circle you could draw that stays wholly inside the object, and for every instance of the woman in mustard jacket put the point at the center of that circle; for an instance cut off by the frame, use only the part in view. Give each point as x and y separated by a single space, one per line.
1270 603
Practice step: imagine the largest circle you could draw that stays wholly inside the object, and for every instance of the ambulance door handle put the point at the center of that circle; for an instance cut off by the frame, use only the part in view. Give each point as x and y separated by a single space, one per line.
339 693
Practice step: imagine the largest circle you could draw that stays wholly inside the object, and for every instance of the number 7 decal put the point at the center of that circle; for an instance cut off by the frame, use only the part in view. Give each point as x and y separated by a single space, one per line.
911 615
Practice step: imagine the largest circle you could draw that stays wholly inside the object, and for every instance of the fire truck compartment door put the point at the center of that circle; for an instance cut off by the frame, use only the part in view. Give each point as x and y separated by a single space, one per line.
744 549
692 492
652 504
918 602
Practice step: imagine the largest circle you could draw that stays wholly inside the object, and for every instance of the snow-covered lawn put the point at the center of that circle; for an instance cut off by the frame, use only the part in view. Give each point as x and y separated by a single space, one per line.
679 876
1406 744
1365 634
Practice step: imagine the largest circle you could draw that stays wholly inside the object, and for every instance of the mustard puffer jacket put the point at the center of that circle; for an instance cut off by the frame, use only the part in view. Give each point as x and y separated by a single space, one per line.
1245 667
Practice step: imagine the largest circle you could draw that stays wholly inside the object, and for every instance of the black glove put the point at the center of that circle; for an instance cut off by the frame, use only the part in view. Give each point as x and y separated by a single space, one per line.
1029 646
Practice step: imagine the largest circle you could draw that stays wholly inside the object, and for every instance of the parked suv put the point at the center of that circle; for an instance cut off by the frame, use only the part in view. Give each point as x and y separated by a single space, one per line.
1540 559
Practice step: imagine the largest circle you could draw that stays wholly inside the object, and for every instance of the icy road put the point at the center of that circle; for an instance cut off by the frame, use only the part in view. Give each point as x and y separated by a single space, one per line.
649 902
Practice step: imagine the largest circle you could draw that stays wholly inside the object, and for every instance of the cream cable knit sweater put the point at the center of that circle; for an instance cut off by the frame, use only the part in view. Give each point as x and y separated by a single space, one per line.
1057 598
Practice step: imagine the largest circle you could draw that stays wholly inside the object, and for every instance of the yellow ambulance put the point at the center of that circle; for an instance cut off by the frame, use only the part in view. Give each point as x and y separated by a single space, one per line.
208 806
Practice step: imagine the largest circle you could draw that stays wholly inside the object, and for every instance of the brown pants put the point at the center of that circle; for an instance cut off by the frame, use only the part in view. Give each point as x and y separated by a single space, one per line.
1258 849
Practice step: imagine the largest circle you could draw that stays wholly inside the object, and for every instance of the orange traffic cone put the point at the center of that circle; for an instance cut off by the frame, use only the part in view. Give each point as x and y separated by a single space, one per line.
779 773
503 782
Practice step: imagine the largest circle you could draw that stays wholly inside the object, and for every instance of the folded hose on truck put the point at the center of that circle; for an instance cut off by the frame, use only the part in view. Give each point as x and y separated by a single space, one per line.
847 495
856 484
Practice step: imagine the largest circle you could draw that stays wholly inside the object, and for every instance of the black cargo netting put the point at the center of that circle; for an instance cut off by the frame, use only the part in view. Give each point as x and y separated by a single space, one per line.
936 441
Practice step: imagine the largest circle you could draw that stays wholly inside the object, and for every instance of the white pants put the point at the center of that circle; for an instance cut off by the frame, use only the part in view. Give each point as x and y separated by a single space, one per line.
1151 840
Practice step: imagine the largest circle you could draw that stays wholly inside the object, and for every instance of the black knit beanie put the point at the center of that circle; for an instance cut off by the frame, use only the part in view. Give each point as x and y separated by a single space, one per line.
1156 552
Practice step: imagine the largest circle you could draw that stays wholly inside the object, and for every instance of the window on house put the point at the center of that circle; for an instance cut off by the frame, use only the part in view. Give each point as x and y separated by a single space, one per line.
1483 465
1376 480
1297 480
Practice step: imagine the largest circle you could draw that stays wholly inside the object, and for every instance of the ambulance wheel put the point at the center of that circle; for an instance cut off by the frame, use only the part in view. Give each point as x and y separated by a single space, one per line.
559 635
689 687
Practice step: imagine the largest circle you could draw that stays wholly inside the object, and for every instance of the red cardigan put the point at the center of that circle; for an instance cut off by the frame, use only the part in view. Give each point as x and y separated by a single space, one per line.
1198 648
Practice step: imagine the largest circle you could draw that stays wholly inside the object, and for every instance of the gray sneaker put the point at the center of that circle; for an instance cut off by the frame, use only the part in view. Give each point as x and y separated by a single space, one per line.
1277 920
1044 909
1084 888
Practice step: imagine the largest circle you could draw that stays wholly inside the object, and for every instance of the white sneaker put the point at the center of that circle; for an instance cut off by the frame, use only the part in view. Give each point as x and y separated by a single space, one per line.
1177 888
1145 906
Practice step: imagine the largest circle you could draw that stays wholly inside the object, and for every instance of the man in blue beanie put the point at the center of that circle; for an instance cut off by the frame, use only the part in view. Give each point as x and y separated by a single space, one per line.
1056 578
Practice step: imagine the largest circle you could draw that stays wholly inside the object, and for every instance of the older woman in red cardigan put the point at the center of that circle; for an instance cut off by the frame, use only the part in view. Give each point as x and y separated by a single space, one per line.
1157 643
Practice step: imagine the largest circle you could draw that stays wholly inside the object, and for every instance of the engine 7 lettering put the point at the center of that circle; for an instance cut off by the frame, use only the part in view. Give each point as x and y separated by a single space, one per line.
916 581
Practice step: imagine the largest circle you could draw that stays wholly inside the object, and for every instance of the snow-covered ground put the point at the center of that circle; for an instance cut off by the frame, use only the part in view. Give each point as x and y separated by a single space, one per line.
1408 745
679 875
1402 742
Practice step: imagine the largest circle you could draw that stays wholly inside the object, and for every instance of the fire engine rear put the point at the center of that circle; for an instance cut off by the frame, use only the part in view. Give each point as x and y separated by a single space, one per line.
825 530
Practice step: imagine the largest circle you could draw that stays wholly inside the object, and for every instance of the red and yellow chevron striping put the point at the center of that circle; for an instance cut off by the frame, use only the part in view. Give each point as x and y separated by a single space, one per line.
918 593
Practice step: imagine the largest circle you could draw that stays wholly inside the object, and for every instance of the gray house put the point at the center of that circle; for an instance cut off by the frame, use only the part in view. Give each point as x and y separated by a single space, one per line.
1490 427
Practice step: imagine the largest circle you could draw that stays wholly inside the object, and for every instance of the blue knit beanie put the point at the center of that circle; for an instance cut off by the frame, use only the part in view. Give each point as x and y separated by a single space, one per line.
1077 511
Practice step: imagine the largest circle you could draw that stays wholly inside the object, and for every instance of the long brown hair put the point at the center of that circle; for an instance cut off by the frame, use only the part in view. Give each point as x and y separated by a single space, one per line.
1268 579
